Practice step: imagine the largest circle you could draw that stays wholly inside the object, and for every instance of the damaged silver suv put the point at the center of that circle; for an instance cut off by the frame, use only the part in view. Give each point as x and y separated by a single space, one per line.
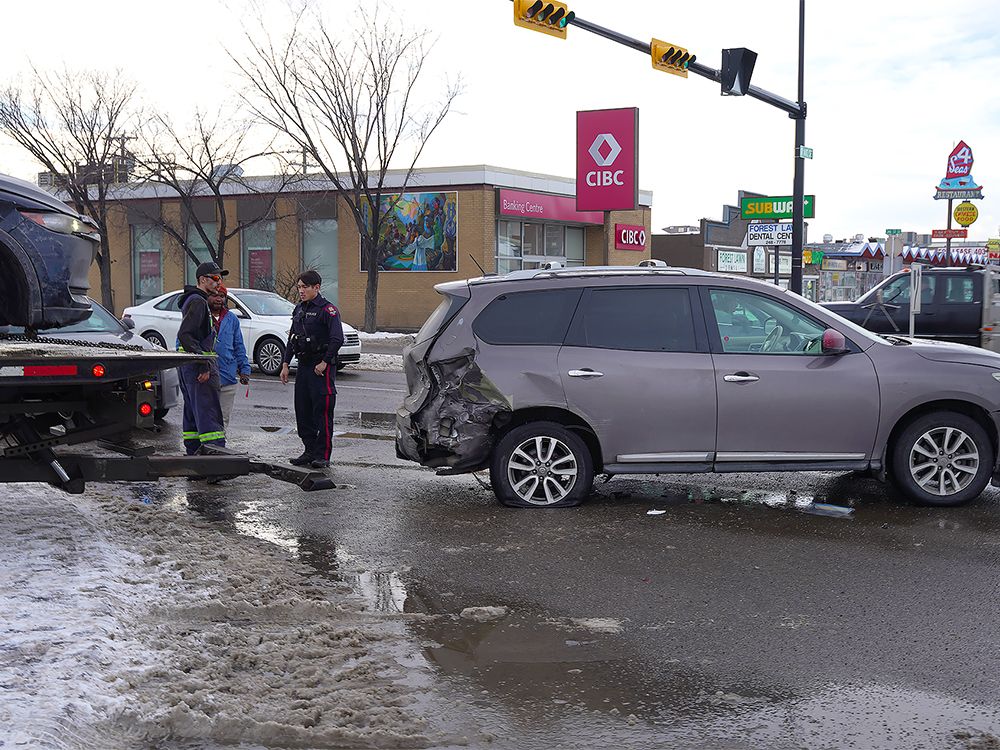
548 377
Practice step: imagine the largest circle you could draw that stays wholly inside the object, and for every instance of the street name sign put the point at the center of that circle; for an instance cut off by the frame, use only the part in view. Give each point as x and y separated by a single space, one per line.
891 232
776 207
769 234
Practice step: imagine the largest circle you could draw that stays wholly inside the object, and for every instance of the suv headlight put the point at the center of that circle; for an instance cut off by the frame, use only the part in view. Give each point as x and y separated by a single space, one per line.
57 222
996 376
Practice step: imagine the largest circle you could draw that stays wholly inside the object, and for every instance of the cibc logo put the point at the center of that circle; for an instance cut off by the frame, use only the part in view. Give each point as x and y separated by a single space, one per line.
604 150
630 237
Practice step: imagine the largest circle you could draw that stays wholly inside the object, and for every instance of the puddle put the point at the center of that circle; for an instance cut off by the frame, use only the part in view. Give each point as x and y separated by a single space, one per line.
278 430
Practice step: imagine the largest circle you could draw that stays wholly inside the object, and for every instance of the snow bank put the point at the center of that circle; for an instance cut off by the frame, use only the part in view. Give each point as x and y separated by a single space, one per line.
128 624
380 362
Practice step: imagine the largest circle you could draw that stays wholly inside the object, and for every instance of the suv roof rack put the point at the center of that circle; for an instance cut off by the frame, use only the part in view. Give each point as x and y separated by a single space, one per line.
578 271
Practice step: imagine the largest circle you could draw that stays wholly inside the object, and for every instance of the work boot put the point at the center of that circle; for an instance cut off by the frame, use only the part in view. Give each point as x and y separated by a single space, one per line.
319 463
302 460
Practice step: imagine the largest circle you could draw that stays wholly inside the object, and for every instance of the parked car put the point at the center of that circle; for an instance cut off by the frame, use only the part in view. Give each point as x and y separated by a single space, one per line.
265 319
102 327
46 249
953 306
548 377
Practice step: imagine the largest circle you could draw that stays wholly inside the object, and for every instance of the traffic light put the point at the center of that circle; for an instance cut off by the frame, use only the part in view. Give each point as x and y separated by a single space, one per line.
670 58
737 67
550 18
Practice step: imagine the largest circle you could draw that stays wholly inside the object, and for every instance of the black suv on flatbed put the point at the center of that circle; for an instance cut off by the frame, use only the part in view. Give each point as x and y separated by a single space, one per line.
46 249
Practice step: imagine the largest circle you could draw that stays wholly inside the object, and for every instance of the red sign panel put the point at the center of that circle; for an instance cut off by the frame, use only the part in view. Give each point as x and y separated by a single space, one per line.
541 207
630 237
959 162
260 269
949 234
607 160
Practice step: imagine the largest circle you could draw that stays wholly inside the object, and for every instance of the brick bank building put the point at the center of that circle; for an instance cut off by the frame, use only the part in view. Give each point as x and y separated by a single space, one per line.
448 223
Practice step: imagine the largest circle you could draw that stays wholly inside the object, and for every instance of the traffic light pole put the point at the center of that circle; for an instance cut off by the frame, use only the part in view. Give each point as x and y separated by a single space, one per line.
799 179
795 110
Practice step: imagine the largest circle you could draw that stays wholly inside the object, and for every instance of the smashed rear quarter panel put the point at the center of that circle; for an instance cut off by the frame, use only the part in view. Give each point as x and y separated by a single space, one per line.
452 428
449 419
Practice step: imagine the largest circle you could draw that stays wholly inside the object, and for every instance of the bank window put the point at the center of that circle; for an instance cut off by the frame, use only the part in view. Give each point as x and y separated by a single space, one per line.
527 318
574 246
508 246
197 245
636 319
526 245
258 256
147 262
320 253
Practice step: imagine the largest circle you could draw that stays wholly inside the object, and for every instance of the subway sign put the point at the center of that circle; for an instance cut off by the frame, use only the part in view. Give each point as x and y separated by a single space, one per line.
776 207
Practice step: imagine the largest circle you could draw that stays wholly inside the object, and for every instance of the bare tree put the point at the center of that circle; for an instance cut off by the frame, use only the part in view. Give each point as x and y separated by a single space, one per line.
353 105
208 163
76 124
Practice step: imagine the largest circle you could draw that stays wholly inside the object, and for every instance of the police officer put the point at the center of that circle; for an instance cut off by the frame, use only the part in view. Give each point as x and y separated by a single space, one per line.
315 338
203 420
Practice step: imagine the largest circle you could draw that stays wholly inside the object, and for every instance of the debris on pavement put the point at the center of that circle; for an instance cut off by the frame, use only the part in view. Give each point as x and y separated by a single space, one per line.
483 614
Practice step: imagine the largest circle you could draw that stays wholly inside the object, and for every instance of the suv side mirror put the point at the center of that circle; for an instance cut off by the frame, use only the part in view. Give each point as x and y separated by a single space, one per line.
128 323
834 342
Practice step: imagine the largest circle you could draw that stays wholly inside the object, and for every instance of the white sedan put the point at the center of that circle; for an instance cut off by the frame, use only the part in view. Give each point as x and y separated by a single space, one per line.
265 319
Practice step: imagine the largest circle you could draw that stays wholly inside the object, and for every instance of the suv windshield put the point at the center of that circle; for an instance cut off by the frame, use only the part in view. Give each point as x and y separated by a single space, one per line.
266 303
100 321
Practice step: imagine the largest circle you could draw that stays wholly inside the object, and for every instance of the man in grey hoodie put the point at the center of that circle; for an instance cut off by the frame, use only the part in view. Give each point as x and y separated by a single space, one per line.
203 421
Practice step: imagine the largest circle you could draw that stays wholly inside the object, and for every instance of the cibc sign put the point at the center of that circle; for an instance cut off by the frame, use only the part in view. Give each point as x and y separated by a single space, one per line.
629 237
607 159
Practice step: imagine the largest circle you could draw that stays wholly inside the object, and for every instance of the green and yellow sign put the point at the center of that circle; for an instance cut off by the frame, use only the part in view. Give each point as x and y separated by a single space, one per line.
776 207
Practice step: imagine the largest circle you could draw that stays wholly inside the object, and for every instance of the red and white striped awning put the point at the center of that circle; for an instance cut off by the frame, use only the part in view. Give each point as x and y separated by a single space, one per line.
938 256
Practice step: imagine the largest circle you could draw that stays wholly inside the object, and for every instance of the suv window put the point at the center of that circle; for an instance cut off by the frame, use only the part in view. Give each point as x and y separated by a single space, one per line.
645 319
169 304
534 318
959 289
754 323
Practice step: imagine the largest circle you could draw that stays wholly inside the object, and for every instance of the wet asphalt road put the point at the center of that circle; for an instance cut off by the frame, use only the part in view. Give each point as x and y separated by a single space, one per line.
732 620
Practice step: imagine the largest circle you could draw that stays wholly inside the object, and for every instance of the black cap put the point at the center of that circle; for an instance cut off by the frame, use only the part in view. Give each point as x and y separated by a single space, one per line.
211 268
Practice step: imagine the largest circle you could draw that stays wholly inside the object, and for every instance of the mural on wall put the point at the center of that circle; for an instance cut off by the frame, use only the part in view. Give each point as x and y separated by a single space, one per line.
419 233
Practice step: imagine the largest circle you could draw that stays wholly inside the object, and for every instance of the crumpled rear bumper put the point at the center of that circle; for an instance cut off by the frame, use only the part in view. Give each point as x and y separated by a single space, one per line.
454 426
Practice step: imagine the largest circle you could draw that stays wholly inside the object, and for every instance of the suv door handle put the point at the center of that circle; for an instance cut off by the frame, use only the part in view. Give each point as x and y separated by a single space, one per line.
586 372
740 377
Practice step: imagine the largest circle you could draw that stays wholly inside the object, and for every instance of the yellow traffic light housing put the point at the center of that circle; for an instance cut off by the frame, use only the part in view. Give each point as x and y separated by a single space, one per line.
550 18
671 58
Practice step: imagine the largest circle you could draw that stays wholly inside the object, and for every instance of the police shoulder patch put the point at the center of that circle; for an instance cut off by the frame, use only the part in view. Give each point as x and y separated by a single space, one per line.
331 310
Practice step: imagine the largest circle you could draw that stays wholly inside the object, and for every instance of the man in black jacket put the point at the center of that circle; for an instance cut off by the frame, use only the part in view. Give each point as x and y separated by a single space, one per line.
203 422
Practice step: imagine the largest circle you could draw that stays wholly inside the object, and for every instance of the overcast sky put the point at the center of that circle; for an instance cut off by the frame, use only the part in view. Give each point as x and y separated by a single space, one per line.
891 87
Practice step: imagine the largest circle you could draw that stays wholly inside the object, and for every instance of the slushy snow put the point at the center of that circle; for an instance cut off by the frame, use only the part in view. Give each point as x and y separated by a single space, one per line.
129 624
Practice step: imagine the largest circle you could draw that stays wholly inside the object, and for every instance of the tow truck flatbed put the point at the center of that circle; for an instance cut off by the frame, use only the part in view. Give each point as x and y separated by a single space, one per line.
56 393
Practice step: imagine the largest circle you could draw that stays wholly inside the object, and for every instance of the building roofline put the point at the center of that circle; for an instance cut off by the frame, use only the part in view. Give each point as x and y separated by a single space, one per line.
456 176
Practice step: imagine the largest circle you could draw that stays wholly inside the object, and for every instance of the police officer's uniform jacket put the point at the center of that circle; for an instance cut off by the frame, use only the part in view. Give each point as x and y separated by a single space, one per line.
316 336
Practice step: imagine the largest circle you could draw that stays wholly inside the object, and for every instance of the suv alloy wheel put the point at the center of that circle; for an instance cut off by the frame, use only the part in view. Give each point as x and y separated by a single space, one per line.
943 458
541 464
